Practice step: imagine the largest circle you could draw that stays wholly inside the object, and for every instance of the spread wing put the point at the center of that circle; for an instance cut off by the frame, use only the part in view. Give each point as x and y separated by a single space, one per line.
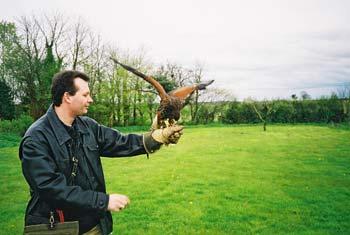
184 92
149 79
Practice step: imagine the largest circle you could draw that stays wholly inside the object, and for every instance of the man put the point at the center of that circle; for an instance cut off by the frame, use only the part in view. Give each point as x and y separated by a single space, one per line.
60 155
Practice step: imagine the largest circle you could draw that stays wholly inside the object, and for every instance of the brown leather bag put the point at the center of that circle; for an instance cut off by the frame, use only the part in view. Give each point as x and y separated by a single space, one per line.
65 228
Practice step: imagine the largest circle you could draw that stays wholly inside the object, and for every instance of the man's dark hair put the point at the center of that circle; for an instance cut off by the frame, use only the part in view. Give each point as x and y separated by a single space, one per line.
64 82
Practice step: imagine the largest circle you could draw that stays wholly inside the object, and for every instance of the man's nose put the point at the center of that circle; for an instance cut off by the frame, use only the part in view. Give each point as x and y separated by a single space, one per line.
90 99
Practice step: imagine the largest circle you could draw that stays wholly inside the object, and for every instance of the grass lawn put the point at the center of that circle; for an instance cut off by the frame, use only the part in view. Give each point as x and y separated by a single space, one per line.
291 179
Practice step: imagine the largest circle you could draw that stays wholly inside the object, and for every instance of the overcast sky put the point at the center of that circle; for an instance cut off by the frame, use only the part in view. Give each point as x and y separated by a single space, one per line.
257 48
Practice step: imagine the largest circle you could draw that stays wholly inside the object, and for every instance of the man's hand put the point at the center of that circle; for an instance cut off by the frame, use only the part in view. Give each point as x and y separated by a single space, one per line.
117 202
168 135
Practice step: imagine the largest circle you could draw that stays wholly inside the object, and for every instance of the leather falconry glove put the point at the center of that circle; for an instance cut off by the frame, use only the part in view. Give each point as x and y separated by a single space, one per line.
168 135
155 125
154 139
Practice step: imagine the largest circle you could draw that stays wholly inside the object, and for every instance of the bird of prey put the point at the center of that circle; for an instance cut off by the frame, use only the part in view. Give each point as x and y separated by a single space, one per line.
171 103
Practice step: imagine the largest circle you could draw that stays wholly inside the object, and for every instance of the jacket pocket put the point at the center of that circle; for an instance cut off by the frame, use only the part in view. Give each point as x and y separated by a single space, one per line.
92 146
93 153
93 150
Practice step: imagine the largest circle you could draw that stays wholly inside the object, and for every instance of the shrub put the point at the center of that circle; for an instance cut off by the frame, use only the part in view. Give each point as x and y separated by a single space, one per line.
17 126
232 114
283 112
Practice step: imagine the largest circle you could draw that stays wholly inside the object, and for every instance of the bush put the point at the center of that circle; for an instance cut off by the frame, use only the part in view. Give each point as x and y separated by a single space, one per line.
17 126
331 110
325 110
308 111
248 114
232 114
283 112
206 114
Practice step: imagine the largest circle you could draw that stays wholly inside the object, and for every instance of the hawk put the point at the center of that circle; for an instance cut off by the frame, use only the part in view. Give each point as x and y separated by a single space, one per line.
171 103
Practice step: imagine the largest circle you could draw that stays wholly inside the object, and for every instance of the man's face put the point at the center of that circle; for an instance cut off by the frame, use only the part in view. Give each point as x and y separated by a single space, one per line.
81 100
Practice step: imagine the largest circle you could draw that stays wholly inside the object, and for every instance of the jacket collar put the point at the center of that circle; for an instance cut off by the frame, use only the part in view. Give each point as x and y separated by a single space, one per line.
60 132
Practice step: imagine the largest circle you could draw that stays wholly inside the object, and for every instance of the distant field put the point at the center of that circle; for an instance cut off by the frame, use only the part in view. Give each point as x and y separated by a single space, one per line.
220 180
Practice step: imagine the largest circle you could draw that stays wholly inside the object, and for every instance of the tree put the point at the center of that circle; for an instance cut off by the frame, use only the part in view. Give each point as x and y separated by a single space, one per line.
175 73
212 105
80 33
32 62
10 60
7 107
233 113
305 96
98 65
167 84
344 95
197 75
264 111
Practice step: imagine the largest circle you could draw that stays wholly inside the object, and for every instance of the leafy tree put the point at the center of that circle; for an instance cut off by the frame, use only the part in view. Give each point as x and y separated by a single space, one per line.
233 114
305 96
168 84
294 97
10 61
7 107
49 67
27 59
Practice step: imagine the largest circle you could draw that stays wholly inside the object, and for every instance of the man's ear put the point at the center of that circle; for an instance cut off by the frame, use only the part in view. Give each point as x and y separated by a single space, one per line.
67 98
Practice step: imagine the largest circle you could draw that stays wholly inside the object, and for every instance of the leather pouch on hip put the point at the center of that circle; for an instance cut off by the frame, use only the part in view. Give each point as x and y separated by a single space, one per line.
66 228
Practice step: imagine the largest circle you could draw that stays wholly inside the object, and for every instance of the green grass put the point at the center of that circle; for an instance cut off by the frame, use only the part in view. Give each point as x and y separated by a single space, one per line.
292 179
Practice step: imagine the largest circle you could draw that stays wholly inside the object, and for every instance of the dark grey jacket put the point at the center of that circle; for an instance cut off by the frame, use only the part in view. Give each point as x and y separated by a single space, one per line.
46 165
